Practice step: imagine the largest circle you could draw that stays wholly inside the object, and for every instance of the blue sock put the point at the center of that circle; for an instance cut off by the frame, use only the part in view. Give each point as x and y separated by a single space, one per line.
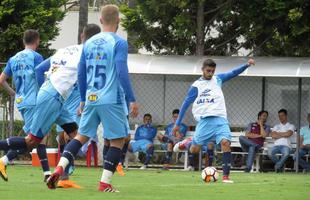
210 153
168 157
226 163
112 159
72 149
124 151
13 143
41 150
191 157
12 154
149 155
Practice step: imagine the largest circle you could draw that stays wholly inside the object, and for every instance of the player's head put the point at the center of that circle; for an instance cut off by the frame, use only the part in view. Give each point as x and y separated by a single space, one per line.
262 115
282 115
147 118
31 37
175 115
208 68
88 31
110 17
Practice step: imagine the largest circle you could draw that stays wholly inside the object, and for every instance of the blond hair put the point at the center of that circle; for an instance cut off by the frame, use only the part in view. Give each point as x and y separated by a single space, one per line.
110 14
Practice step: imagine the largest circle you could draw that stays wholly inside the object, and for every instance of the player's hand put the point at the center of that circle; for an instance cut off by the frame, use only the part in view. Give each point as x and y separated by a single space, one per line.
81 108
251 61
175 129
134 109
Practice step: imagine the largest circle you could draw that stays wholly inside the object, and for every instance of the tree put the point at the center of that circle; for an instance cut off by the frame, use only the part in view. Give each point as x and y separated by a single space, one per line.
83 17
266 27
18 15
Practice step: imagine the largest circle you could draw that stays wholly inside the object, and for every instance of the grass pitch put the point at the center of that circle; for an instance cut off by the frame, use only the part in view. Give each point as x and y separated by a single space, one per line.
26 182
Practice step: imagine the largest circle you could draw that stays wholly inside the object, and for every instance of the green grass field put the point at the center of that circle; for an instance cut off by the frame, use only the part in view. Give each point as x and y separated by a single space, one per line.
26 182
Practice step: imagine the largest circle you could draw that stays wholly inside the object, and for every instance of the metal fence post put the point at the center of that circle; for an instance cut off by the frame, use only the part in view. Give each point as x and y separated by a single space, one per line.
298 123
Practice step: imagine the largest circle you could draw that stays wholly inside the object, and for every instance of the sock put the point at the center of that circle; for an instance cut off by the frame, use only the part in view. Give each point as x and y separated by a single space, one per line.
149 155
13 143
11 155
191 157
226 163
210 153
70 151
5 160
168 157
112 159
105 151
41 150
124 151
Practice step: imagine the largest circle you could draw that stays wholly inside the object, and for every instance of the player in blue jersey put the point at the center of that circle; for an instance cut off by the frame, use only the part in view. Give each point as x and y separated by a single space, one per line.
21 67
103 83
169 139
209 110
143 141
49 108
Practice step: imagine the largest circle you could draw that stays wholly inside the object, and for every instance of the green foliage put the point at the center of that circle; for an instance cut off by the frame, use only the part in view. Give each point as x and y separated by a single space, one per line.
269 27
18 15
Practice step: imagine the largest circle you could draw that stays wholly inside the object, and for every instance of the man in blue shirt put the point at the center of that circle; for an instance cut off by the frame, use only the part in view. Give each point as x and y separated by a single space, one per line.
103 81
209 110
169 139
305 145
143 141
21 67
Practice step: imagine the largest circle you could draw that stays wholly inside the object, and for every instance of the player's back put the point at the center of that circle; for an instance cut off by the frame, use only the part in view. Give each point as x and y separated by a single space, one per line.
103 86
22 69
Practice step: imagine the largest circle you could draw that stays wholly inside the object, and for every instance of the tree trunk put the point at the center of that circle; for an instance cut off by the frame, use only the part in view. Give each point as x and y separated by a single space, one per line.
83 17
200 29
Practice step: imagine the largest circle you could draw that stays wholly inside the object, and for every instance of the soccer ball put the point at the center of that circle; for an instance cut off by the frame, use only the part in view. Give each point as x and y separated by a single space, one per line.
209 174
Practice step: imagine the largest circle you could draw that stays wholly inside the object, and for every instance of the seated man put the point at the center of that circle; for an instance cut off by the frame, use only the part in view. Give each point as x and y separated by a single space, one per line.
305 145
169 139
254 138
143 141
281 134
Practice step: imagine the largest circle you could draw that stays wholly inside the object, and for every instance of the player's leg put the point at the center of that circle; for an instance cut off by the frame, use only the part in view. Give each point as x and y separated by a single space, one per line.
209 154
119 167
168 154
41 151
193 151
148 148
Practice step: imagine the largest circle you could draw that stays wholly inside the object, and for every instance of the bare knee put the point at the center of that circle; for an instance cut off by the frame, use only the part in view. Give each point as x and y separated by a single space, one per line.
31 143
195 149
83 139
225 144
211 146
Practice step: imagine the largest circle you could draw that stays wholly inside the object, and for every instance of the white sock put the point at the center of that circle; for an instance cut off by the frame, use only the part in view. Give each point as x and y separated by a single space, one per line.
47 173
63 162
5 160
106 176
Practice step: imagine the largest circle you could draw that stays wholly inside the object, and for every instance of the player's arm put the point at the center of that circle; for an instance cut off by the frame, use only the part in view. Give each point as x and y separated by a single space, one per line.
3 79
41 69
235 72
189 99
82 81
121 54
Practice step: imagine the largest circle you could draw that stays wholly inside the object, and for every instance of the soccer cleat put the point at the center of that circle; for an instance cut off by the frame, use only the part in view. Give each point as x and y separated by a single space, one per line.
3 174
46 177
54 178
104 187
68 184
120 170
227 180
143 167
183 145
71 169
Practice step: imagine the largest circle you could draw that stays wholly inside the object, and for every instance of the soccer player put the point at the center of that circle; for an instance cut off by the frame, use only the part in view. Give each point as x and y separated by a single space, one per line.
103 83
22 68
210 111
50 99
169 139
143 140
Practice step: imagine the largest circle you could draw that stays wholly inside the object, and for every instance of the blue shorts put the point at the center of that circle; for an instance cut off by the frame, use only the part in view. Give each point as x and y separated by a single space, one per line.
49 110
140 145
112 117
211 129
27 114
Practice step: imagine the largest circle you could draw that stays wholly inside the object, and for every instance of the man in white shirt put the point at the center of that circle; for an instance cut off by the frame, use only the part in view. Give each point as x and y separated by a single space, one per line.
281 133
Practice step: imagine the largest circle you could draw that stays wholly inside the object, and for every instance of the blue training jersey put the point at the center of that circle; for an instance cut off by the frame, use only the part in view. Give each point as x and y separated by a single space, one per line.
22 68
103 73
147 132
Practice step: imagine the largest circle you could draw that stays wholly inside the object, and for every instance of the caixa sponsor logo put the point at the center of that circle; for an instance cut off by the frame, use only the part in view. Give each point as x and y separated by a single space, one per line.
206 100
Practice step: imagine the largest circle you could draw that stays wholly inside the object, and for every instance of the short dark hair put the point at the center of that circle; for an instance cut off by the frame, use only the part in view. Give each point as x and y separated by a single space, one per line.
175 111
90 30
262 112
282 111
208 63
147 115
30 36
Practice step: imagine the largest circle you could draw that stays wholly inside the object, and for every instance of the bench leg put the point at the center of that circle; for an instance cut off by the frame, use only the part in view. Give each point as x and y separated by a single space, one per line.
257 163
185 160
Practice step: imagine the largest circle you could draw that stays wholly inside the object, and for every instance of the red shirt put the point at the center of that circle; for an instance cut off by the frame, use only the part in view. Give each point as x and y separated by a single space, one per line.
255 129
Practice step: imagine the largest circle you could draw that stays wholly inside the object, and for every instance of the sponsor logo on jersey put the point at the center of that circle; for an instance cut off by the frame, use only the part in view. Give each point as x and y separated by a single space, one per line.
92 97
19 100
